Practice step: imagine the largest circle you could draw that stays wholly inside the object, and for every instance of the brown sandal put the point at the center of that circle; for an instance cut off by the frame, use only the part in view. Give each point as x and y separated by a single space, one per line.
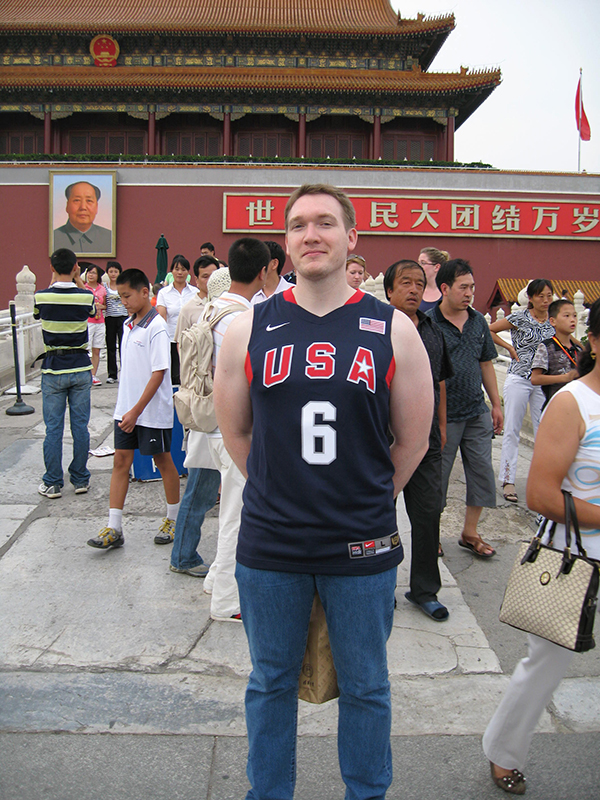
477 547
515 783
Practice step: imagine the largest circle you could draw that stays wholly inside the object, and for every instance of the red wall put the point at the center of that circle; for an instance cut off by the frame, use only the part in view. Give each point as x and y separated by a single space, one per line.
190 215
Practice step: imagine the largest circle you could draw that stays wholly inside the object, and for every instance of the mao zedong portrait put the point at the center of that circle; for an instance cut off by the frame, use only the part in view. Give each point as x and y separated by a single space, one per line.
80 234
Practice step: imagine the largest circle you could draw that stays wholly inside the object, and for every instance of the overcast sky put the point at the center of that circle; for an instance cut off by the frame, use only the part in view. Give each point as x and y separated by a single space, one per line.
528 122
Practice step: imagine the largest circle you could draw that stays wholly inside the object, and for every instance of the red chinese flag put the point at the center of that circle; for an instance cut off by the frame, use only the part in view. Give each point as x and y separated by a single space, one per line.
583 126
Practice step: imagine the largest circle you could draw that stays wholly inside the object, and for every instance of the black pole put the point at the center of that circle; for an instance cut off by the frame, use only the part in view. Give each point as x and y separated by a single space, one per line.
19 408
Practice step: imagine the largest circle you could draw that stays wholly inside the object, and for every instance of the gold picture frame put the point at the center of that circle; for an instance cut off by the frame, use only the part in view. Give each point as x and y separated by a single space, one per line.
83 212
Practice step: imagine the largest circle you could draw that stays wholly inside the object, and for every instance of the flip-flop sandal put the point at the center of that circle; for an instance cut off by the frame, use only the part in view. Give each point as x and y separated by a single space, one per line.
440 551
430 607
510 496
473 549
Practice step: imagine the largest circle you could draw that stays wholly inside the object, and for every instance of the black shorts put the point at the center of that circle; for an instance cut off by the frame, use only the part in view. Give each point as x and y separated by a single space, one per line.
149 441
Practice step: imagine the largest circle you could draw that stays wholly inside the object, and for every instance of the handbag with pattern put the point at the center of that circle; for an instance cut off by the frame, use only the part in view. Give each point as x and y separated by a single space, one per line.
553 593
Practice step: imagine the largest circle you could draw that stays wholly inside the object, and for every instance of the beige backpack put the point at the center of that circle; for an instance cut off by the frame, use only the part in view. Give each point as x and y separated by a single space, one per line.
194 400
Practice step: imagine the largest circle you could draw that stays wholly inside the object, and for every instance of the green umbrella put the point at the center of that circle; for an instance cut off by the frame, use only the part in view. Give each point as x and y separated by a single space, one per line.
162 261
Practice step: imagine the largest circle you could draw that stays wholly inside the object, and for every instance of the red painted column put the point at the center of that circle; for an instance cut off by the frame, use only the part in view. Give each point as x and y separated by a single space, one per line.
450 134
302 136
376 137
47 132
227 134
151 132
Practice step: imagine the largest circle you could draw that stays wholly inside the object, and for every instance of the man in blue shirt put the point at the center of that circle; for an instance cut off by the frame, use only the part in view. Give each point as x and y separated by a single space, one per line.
469 425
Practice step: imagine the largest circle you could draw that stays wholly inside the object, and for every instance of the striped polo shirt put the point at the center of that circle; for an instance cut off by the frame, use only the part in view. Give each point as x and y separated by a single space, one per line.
64 309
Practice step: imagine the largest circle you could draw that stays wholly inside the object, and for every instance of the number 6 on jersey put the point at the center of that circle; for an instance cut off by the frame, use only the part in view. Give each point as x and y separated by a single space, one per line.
319 441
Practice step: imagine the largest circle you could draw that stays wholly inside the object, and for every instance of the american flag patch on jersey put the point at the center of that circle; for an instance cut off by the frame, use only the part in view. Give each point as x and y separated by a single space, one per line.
373 325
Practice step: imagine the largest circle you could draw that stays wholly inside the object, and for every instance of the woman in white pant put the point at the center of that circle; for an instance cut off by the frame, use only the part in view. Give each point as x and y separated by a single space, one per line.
566 456
528 329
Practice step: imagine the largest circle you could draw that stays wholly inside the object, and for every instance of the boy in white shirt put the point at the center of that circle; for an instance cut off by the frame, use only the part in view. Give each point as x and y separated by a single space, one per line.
144 411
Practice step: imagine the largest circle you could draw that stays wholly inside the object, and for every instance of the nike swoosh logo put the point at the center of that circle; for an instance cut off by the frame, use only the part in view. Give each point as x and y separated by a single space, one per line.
274 327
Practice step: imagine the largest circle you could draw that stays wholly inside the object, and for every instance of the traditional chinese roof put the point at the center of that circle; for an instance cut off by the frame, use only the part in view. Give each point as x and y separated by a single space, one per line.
367 17
242 78
507 290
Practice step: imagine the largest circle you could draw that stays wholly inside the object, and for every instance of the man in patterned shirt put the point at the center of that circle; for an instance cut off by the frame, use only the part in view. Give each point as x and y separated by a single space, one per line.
469 425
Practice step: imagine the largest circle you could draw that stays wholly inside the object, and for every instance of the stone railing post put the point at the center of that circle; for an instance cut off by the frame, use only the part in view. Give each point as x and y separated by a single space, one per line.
25 290
500 314
31 343
582 313
374 286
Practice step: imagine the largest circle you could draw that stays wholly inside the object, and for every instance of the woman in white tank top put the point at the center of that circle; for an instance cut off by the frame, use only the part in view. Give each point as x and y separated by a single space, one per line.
566 456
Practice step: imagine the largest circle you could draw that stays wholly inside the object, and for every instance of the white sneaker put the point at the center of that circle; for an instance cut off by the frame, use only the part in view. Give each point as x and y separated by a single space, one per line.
96 381
49 491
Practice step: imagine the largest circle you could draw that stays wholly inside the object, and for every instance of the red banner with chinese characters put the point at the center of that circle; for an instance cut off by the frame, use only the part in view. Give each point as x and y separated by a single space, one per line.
432 216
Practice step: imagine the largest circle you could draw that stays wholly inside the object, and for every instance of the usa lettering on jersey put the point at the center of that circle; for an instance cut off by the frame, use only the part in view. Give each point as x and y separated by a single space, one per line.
320 365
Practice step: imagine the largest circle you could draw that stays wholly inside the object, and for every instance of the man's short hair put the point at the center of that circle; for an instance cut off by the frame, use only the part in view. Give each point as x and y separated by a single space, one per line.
277 252
208 246
555 307
63 260
324 188
135 278
76 183
203 262
396 269
247 257
452 270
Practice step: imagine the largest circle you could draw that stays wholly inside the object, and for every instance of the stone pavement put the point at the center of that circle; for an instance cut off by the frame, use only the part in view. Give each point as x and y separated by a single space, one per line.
114 644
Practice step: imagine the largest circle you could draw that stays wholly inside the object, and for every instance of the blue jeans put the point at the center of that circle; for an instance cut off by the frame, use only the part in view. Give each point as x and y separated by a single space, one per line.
275 611
199 497
73 388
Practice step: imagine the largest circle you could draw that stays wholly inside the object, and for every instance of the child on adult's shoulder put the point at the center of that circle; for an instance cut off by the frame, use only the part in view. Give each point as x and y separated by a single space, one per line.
555 361
144 411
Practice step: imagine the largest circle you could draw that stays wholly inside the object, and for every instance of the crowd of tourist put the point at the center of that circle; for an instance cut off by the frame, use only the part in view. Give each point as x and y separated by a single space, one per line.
298 496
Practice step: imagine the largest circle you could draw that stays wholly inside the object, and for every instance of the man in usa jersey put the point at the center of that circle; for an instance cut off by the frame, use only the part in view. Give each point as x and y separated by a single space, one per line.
306 387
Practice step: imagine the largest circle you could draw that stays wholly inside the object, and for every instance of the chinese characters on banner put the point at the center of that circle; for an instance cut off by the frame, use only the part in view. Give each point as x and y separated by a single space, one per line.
429 216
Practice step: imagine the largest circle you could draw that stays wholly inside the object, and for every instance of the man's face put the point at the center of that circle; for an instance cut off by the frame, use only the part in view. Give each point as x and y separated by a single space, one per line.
204 274
82 206
409 285
134 300
205 251
459 295
316 239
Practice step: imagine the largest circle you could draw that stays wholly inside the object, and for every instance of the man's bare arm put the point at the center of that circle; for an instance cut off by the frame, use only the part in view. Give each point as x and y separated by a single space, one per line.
232 391
411 400
490 384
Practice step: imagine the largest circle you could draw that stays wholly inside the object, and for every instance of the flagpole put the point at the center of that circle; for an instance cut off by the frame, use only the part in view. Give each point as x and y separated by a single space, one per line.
579 126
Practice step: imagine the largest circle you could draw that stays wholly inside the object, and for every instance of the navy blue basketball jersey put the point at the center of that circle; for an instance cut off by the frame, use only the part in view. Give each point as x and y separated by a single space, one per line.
319 495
